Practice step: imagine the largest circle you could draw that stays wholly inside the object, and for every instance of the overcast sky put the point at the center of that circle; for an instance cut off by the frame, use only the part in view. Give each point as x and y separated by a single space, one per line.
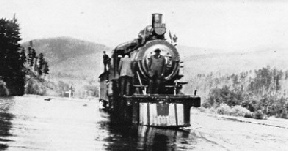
216 24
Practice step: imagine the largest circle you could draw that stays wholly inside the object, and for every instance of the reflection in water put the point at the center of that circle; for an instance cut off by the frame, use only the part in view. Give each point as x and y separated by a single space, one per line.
5 126
5 123
147 138
30 123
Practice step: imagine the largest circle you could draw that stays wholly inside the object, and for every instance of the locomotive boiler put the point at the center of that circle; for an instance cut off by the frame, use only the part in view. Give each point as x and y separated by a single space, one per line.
149 98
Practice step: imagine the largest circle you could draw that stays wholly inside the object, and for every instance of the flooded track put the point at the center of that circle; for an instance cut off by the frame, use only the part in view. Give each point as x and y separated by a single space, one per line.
31 123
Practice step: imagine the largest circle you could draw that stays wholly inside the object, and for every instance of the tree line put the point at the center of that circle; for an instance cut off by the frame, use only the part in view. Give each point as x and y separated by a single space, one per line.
14 61
257 90
34 62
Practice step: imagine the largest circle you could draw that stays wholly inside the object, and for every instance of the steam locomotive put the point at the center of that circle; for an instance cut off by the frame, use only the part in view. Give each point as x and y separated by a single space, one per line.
169 107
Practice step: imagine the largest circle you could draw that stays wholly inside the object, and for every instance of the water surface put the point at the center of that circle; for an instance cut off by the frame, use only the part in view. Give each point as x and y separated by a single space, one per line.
31 123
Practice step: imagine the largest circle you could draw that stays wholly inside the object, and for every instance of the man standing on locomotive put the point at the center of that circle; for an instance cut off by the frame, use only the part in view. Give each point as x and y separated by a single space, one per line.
156 67
126 75
105 61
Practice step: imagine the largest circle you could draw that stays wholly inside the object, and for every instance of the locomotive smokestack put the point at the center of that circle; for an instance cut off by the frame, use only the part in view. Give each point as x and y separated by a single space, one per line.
157 25
156 20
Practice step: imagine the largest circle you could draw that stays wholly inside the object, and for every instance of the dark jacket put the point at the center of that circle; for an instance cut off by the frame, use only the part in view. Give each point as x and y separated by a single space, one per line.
156 65
105 59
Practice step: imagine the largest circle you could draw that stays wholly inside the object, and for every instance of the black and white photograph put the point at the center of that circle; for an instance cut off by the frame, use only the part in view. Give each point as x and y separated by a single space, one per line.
143 75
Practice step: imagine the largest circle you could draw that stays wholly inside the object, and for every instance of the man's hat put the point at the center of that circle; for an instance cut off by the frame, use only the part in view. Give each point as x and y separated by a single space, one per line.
157 50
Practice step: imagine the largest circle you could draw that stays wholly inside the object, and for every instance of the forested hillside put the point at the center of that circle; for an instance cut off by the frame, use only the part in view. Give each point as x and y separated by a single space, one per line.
258 78
262 89
71 58
73 65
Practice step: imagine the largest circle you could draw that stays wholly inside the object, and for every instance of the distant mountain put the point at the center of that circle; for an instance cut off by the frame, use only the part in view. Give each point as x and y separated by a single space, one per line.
80 58
186 51
234 62
70 56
